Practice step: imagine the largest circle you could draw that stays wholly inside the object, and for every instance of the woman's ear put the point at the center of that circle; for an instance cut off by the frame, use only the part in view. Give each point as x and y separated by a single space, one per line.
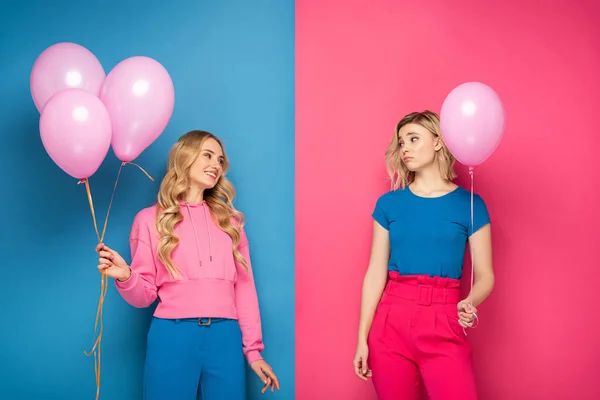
437 144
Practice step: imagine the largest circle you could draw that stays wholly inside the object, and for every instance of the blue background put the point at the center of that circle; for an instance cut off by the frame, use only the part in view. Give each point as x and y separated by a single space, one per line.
232 64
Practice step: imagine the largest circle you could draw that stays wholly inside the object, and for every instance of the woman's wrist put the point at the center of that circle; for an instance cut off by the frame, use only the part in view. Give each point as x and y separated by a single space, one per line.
128 273
362 338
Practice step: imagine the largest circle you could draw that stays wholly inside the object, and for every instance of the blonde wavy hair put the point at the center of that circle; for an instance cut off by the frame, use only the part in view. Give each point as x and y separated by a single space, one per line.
400 175
174 187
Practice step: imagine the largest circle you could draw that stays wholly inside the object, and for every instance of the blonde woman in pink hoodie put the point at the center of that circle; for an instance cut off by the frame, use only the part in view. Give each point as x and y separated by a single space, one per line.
191 252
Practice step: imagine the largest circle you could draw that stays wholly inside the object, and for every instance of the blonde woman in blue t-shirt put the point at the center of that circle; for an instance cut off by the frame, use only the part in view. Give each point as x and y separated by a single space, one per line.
412 319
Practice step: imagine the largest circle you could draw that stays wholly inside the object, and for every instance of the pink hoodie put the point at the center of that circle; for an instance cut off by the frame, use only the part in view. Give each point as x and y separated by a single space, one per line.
212 283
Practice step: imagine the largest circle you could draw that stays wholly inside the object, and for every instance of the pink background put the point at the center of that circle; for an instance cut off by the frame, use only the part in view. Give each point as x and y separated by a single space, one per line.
360 66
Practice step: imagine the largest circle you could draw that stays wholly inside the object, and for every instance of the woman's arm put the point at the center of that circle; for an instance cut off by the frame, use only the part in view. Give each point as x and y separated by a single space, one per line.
374 280
246 302
481 250
140 290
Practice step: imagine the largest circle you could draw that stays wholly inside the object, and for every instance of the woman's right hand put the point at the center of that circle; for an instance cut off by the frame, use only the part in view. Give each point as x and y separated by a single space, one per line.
112 264
361 367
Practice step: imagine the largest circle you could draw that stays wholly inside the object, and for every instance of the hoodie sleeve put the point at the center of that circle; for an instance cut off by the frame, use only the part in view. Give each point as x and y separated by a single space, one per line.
246 302
140 289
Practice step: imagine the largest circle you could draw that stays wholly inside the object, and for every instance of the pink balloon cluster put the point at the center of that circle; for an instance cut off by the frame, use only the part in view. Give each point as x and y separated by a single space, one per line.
84 111
472 122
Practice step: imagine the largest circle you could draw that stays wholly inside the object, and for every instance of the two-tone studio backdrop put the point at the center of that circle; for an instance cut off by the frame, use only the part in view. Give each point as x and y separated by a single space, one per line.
305 95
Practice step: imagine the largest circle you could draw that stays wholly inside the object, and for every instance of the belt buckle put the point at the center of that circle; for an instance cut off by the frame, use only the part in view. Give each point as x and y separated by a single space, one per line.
424 295
202 323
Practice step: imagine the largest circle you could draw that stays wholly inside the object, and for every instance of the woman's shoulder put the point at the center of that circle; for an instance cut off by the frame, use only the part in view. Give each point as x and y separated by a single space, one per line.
465 194
392 195
146 215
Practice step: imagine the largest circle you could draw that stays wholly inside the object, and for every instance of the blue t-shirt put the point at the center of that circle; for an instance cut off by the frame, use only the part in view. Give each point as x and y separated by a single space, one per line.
428 235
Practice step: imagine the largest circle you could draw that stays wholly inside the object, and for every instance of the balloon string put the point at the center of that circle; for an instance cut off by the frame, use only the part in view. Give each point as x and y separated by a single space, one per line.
115 190
91 203
471 228
141 169
103 289
112 197
96 348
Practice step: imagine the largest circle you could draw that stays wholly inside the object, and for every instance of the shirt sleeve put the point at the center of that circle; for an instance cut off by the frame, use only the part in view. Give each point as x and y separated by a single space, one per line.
140 289
481 216
379 213
246 303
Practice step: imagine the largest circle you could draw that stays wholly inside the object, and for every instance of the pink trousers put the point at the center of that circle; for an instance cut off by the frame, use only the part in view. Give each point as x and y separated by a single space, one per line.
415 335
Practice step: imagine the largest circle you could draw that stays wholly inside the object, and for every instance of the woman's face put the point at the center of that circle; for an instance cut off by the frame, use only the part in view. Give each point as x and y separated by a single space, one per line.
417 146
207 169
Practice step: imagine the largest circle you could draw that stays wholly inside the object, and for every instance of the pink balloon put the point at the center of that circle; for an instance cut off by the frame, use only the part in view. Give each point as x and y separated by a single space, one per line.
139 96
75 128
472 122
64 66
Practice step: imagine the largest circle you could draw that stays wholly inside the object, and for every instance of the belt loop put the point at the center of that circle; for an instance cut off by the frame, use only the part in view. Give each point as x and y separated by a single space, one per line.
424 294
177 320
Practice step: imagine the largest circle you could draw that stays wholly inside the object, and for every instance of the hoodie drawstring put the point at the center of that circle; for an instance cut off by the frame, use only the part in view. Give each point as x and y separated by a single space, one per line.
208 231
196 233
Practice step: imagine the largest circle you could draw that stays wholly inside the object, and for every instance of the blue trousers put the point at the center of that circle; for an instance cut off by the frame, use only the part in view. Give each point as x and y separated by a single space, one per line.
191 359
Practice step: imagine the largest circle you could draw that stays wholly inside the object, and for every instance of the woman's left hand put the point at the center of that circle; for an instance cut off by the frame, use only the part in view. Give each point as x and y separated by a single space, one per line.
266 375
466 313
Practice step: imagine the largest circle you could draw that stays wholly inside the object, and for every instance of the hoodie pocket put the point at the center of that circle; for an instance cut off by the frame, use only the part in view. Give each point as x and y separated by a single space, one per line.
221 267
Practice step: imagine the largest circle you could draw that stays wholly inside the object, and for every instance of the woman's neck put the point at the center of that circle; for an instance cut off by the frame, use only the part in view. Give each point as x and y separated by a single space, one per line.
430 181
194 195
